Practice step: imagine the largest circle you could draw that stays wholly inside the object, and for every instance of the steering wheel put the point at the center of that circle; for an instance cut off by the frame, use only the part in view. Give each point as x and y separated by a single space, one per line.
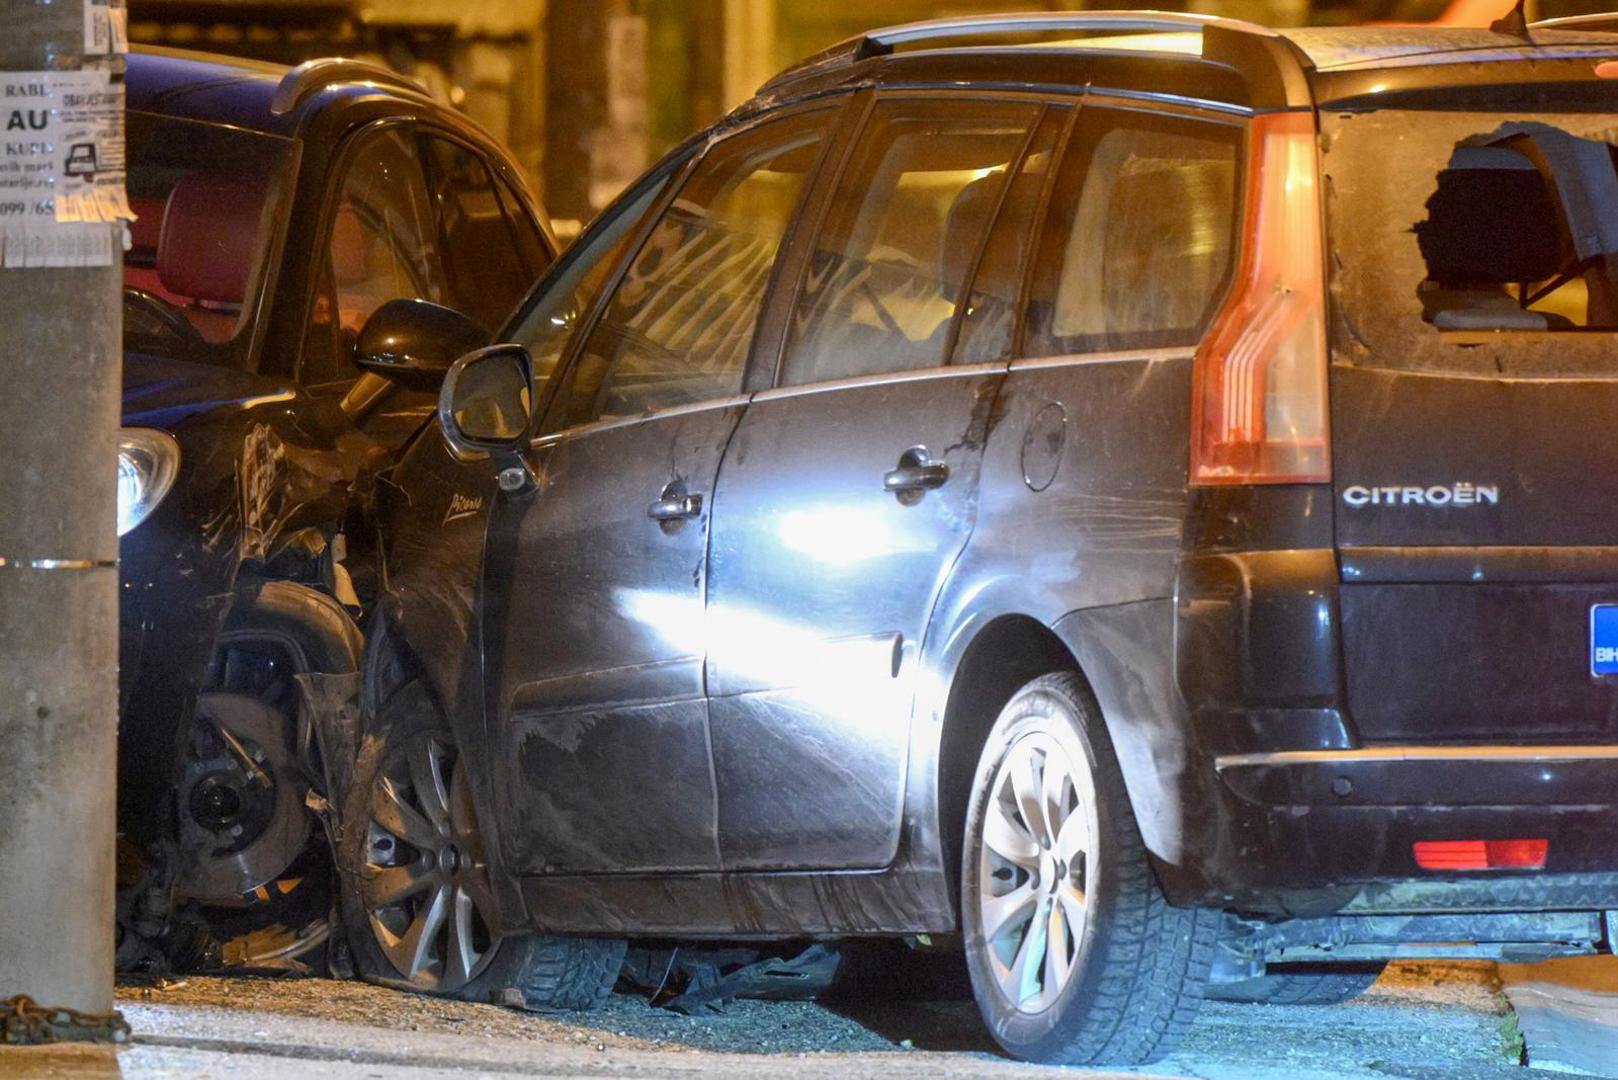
149 308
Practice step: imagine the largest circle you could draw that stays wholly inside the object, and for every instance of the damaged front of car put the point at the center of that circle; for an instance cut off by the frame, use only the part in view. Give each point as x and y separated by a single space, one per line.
280 333
239 653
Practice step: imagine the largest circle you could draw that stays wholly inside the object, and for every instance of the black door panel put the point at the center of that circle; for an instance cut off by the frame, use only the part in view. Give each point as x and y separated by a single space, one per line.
822 583
667 680
802 785
610 766
601 652
613 788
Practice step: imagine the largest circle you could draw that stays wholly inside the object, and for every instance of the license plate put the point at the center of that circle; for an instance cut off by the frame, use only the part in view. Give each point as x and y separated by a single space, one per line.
1604 639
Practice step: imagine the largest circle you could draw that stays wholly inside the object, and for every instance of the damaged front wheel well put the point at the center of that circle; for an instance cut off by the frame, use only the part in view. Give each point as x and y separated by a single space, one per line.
389 665
1006 654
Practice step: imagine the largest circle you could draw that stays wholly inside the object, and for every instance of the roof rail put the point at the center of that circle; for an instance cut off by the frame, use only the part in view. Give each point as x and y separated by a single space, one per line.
1605 23
313 75
1224 40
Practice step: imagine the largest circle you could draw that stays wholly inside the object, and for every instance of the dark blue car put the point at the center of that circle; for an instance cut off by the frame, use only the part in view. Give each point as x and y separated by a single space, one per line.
298 231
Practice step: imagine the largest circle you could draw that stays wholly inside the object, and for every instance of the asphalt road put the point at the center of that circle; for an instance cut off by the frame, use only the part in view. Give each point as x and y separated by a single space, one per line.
1427 1021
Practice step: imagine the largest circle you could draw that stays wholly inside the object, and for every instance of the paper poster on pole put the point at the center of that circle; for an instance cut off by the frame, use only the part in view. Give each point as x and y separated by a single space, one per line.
61 168
106 27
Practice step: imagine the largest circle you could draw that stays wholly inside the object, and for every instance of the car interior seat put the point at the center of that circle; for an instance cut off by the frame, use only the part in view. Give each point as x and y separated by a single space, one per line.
206 247
1492 223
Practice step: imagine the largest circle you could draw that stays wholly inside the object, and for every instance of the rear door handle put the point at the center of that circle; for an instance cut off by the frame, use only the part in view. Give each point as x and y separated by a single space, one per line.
917 472
675 508
917 477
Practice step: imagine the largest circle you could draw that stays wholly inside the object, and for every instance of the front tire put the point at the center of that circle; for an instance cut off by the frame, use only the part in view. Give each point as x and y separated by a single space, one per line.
417 896
1075 955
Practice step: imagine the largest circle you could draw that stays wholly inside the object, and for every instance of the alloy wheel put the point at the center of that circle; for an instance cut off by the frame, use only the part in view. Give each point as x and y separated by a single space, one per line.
1037 859
425 883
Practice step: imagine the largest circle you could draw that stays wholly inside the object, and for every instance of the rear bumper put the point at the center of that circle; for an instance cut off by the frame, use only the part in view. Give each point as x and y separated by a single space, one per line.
1335 830
1425 776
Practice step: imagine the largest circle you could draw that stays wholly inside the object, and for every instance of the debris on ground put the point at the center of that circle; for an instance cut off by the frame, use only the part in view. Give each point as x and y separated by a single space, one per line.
1422 1021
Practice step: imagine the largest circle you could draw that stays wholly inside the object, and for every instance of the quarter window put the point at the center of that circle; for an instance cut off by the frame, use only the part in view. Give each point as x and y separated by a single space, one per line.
680 325
1138 248
902 236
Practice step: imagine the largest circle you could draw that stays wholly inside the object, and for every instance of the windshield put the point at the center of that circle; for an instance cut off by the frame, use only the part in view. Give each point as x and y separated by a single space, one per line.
1474 242
203 196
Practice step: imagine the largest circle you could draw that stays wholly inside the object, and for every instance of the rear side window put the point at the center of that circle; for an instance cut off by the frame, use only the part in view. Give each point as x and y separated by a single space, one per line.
902 237
988 322
1140 241
680 325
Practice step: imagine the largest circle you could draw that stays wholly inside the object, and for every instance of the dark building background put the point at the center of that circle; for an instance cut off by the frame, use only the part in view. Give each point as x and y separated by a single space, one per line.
588 92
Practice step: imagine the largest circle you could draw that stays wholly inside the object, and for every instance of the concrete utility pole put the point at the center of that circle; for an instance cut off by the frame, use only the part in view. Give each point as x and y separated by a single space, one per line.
60 391
596 94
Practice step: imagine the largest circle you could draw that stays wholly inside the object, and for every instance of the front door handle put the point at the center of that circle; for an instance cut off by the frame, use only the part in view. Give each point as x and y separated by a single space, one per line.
675 508
917 473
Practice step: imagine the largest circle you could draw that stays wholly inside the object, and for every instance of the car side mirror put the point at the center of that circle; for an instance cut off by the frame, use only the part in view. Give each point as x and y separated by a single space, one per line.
486 405
414 342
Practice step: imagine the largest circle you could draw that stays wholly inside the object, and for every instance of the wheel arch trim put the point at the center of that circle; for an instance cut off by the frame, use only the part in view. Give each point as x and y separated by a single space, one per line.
312 626
1125 655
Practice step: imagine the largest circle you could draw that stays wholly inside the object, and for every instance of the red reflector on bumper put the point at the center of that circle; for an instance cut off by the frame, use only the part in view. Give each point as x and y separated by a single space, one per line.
1481 854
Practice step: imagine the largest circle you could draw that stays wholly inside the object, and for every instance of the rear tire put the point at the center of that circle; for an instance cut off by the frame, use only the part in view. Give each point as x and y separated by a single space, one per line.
1325 986
1052 854
418 900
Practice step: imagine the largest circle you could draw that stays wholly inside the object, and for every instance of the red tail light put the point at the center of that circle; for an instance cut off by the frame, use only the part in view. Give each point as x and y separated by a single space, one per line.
1481 854
1259 402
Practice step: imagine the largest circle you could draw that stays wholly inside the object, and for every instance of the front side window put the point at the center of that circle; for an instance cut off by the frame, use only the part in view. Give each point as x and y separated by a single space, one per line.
531 240
485 270
1139 245
562 299
680 325
902 236
382 247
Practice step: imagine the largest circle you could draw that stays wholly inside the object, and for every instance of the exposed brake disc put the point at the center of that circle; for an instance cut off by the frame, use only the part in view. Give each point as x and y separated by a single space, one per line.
240 802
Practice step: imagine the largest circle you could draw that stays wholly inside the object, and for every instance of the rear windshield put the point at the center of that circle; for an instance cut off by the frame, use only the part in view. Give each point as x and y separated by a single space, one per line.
1473 242
204 196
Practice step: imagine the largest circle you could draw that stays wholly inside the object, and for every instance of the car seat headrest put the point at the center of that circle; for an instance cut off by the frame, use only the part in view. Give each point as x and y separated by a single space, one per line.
209 236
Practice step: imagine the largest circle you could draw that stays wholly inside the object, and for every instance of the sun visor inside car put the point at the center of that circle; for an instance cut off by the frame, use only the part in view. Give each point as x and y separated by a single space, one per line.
210 230
1491 220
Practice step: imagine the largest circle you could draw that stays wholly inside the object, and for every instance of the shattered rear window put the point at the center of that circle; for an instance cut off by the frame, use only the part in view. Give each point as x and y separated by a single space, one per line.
1475 243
